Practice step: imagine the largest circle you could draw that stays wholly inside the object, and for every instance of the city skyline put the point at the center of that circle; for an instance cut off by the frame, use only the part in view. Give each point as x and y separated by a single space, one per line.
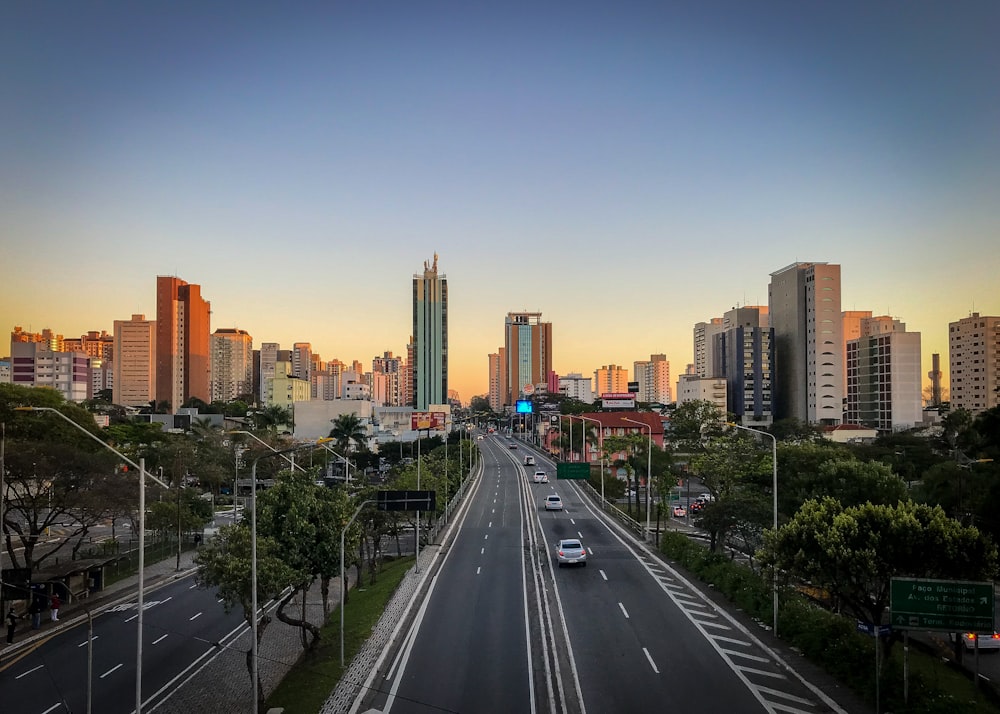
627 171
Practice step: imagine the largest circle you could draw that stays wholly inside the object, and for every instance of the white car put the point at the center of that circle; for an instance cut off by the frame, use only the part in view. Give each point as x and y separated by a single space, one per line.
570 551
553 503
986 642
540 477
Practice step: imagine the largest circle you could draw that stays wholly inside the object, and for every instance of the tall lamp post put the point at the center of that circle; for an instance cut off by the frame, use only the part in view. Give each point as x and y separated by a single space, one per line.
774 493
142 535
600 445
649 466
253 556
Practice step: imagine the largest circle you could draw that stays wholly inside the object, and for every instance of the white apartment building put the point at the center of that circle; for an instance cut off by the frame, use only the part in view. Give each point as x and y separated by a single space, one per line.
231 364
692 387
653 376
576 386
884 376
268 359
33 365
974 362
704 359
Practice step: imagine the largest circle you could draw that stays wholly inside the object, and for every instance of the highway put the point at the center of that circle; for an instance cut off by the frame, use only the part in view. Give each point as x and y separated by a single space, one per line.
502 629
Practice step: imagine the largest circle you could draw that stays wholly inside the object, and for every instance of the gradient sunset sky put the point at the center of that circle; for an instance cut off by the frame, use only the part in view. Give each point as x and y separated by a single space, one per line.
627 169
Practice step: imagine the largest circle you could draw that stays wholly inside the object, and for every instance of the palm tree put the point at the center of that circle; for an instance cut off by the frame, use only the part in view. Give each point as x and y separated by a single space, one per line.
347 428
272 416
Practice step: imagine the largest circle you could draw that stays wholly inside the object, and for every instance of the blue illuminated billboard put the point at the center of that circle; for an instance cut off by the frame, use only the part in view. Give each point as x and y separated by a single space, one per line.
524 406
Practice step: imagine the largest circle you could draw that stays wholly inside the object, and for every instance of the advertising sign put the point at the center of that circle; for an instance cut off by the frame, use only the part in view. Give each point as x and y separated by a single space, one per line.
523 406
434 421
618 400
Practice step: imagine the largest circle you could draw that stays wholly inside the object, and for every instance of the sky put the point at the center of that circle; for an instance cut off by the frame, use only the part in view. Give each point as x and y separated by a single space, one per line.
627 169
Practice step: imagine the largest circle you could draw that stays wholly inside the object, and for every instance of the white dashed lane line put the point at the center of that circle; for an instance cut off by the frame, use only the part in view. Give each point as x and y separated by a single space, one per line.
624 611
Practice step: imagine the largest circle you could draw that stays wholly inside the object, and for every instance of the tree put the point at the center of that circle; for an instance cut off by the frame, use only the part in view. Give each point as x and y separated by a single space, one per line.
733 468
271 417
347 430
224 564
304 521
854 551
846 479
691 420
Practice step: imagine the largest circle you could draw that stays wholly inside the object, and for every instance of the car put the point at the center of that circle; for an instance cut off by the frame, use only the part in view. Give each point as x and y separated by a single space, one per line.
570 551
986 642
679 511
479 438
540 477
512 446
529 460
696 506
553 503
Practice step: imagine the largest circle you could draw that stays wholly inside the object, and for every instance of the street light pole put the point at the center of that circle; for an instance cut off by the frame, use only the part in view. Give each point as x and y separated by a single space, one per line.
142 536
774 490
649 466
600 445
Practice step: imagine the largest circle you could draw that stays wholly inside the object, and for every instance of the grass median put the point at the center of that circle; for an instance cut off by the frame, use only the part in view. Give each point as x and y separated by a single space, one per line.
318 671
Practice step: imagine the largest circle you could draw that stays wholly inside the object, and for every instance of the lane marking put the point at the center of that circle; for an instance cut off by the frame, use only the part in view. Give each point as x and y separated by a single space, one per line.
786 695
478 569
482 550
490 524
53 708
33 669
84 643
192 587
195 617
624 611
486 537
746 655
603 574
117 666
160 639
651 662
134 617
762 672
573 521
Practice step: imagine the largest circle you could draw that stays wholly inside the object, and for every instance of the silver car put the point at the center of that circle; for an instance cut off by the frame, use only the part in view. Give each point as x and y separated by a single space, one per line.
570 551
553 503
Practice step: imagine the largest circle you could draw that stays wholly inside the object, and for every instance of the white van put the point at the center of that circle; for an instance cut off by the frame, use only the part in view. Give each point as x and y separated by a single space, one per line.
529 460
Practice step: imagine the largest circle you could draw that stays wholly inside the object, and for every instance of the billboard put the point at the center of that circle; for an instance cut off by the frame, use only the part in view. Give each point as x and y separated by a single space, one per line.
618 400
523 406
434 421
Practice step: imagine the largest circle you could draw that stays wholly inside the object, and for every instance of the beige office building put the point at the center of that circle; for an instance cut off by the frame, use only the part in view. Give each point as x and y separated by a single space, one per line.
232 364
974 363
134 362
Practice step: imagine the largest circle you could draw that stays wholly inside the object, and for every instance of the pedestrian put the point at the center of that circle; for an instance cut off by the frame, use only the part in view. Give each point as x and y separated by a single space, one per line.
12 619
54 603
35 610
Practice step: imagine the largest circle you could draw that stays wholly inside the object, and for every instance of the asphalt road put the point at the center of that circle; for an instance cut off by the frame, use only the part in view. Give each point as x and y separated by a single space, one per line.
503 629
182 624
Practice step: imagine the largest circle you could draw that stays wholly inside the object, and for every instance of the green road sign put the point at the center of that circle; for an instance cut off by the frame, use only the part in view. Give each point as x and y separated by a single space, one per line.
577 471
946 605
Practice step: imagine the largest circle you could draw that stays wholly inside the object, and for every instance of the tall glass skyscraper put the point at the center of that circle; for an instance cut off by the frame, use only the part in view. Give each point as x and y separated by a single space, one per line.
430 337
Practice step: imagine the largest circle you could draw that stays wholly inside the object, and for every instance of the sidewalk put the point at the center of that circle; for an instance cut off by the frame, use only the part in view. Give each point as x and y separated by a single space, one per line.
220 682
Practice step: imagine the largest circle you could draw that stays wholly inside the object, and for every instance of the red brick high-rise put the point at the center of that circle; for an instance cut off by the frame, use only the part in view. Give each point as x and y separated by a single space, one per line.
183 330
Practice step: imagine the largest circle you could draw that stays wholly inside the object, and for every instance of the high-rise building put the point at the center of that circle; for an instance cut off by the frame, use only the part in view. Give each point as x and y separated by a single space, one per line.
183 362
52 342
653 376
430 336
99 345
302 360
804 306
411 351
746 356
232 364
692 387
134 363
610 379
974 363
884 376
704 361
266 357
34 365
386 388
527 354
496 379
